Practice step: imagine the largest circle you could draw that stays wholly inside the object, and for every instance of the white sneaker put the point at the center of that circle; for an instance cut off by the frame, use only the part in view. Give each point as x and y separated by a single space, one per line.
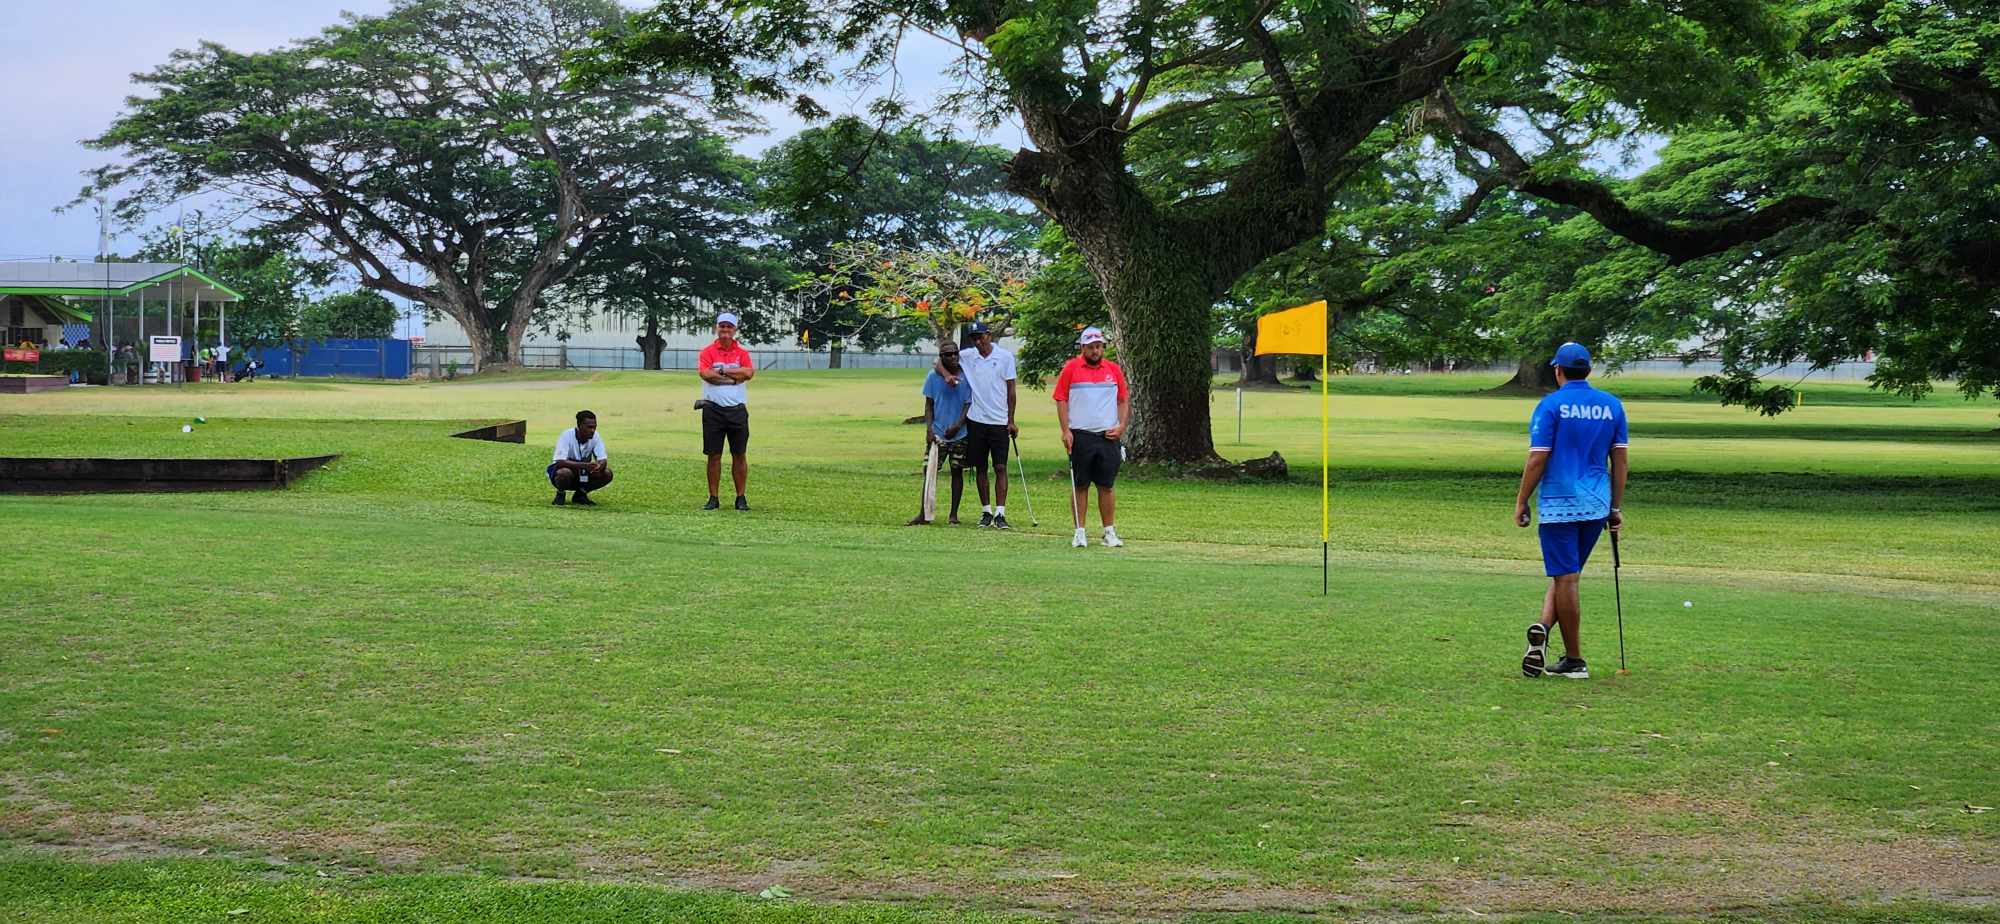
1080 540
1111 540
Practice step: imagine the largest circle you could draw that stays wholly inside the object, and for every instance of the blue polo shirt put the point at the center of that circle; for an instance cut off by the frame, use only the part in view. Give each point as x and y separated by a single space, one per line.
949 404
1577 426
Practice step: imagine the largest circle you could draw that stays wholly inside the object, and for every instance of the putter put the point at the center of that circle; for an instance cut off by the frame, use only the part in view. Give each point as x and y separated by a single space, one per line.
1619 595
1030 498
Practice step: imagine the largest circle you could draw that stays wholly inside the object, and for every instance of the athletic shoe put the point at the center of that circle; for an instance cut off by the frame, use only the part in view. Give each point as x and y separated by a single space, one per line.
1111 540
559 499
742 504
712 504
1080 540
1000 522
1538 645
1570 667
584 499
985 520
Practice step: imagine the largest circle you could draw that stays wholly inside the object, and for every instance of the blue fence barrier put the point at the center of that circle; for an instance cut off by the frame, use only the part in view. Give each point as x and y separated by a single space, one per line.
362 359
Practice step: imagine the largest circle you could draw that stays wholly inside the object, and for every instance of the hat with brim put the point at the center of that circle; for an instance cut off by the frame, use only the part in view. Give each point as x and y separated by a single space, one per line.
1090 335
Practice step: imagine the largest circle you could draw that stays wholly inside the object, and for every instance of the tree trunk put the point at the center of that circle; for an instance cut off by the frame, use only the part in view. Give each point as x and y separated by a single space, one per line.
833 355
1161 320
1257 370
480 339
1534 374
651 344
514 334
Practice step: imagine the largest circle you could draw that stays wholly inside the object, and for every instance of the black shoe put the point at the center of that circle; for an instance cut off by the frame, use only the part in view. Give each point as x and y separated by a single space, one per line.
584 499
712 504
1538 644
559 498
1000 522
985 520
742 504
1570 667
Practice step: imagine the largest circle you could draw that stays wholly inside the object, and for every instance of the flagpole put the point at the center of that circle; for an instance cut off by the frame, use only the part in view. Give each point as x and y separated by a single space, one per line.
1325 505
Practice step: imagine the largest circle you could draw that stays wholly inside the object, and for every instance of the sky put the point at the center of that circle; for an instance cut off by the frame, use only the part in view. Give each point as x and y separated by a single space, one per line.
70 64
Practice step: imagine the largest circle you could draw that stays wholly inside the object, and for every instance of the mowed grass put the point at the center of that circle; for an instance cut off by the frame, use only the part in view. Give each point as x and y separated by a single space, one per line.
412 675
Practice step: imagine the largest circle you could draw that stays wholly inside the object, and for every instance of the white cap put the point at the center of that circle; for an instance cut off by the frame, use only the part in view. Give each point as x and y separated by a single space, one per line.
727 318
1090 335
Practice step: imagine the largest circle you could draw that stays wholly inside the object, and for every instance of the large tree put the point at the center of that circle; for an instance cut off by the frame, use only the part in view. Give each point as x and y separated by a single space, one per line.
1326 90
669 265
441 136
894 186
1883 139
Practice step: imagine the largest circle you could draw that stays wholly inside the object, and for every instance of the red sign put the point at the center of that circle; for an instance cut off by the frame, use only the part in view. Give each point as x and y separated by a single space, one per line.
14 355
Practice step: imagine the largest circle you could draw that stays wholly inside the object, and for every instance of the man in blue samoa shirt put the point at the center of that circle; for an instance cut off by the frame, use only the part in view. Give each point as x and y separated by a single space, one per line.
945 408
1576 456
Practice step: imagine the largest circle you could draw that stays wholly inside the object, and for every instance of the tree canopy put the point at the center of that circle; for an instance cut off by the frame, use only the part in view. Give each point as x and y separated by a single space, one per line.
1274 109
442 135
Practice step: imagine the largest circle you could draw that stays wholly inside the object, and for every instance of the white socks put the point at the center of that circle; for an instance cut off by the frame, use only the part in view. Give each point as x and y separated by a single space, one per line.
1000 511
986 508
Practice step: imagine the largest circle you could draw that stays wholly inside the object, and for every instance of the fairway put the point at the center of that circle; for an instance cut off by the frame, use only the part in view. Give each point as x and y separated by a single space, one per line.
408 688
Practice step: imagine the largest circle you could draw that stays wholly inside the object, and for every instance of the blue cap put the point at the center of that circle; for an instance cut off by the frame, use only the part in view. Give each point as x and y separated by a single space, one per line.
727 318
979 327
1090 335
1571 354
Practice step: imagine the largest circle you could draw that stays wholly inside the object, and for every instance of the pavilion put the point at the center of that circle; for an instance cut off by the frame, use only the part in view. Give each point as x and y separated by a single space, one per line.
113 304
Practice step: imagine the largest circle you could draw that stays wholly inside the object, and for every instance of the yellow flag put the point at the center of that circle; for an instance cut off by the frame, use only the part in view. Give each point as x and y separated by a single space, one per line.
1300 330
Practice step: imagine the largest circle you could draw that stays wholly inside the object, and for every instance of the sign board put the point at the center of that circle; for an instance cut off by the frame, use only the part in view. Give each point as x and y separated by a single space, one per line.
17 355
163 349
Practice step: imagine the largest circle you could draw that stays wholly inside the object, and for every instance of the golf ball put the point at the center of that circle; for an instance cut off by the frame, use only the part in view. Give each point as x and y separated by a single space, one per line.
1687 603
185 428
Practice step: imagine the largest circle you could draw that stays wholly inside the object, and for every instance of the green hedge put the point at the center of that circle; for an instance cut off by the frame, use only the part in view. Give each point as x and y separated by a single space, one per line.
62 362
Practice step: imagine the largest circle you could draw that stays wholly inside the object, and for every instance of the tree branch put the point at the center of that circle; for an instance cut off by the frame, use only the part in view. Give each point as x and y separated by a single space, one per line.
1679 242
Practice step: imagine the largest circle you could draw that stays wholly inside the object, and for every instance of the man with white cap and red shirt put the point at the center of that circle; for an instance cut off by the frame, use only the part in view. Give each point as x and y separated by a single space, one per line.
1093 408
725 411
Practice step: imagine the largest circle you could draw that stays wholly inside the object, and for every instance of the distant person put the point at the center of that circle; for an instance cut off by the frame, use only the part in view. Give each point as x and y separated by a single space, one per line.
990 370
1093 408
945 409
204 359
724 366
580 464
221 361
248 373
1577 458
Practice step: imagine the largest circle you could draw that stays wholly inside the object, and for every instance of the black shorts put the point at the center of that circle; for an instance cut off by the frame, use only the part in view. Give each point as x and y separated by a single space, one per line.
984 442
718 422
1094 459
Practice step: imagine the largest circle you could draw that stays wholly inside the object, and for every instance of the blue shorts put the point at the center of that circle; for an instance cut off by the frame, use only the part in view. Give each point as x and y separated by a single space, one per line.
1566 546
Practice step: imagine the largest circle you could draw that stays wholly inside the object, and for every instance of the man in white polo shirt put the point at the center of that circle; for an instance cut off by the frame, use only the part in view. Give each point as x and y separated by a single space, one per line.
580 463
989 369
1093 407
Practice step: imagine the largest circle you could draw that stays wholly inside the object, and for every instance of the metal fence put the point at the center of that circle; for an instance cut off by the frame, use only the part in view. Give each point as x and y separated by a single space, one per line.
433 360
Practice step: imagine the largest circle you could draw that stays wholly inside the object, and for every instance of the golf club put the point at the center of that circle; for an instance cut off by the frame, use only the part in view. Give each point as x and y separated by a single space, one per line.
1022 464
1619 595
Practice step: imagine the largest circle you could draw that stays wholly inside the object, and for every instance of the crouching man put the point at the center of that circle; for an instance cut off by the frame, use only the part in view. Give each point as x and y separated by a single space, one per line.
580 465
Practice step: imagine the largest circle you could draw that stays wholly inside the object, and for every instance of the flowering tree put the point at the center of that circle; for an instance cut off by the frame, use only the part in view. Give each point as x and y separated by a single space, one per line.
937 288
